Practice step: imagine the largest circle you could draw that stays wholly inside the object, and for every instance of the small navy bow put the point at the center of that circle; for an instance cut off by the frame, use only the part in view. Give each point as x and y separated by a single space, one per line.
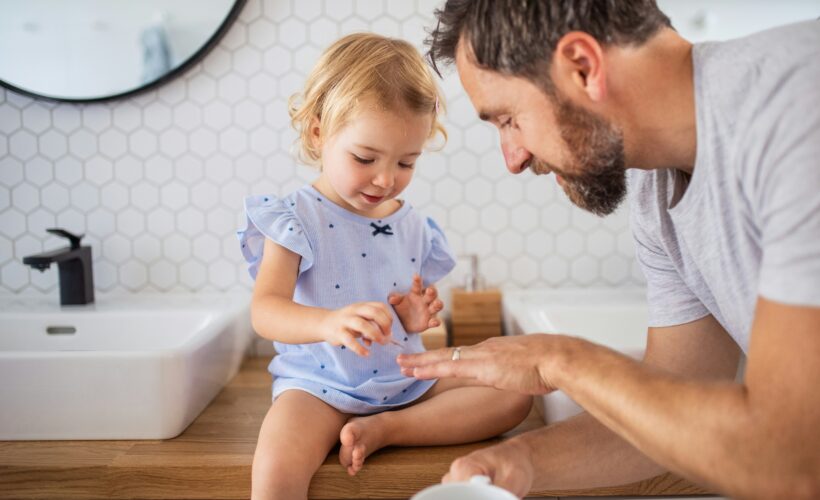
385 229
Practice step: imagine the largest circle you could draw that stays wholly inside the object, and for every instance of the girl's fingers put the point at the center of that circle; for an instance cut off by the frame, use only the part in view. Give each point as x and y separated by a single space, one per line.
378 314
350 342
435 307
416 287
434 322
395 299
368 329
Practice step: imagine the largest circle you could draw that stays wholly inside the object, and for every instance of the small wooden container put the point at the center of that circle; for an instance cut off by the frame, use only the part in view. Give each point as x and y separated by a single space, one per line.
434 338
476 316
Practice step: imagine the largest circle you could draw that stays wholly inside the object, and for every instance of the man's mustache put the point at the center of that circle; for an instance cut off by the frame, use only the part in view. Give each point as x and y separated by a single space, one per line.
539 167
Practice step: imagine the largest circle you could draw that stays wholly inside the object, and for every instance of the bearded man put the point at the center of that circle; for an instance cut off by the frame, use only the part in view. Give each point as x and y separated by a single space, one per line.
718 148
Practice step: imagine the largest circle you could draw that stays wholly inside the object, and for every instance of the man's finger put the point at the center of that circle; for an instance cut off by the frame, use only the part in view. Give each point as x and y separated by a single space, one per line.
462 469
448 369
425 358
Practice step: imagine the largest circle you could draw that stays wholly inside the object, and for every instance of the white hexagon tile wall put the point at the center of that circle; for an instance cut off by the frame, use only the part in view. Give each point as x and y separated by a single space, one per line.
156 181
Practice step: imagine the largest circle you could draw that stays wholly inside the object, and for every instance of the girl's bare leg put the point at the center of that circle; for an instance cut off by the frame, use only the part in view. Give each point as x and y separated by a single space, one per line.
296 436
450 413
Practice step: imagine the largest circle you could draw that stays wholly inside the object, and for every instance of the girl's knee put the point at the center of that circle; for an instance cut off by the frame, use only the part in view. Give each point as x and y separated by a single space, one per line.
520 406
276 472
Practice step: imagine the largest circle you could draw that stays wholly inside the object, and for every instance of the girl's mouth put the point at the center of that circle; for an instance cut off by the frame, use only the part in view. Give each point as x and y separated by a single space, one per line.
372 199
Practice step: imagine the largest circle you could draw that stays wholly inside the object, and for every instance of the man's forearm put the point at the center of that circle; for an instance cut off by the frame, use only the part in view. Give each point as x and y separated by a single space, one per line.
704 430
581 453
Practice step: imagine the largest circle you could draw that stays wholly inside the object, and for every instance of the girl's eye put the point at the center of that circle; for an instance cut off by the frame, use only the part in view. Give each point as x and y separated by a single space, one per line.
506 123
363 161
406 165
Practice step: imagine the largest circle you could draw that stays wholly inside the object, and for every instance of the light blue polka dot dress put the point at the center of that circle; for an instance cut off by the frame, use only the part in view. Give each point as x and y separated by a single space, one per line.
346 258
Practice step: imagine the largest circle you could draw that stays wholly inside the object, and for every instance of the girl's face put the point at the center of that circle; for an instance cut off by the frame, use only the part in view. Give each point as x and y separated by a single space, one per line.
371 160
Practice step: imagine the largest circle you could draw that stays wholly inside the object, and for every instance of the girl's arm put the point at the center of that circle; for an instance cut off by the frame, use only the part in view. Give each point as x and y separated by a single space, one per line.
276 316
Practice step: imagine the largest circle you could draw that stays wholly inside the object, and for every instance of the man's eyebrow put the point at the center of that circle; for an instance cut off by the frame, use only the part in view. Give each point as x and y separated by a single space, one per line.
489 114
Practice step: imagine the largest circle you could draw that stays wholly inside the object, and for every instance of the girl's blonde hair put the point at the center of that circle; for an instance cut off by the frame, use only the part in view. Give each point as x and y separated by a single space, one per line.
355 68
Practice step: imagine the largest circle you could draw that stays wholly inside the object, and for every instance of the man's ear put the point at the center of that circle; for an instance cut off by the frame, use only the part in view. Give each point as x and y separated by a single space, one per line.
579 67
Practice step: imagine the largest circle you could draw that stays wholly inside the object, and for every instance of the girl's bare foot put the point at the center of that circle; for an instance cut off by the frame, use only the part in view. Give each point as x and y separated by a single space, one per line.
360 437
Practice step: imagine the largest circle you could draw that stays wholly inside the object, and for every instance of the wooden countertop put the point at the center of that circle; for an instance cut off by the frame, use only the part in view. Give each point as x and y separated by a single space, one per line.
212 459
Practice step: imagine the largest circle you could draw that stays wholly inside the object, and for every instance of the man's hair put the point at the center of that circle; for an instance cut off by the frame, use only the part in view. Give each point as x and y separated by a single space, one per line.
518 37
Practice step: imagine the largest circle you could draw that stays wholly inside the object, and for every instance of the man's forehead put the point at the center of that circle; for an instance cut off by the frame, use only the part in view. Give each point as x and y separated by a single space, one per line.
485 87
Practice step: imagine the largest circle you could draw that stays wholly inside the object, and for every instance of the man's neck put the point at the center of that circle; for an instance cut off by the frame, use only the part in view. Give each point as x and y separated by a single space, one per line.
654 87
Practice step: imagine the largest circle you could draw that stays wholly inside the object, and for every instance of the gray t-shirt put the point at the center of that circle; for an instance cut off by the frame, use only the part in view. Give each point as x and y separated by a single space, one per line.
747 223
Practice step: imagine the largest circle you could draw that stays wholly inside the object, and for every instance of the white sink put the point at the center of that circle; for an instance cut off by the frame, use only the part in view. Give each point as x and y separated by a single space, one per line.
616 318
126 367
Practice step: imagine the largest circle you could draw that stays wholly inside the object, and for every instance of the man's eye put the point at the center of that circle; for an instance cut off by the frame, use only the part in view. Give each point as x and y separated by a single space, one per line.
363 161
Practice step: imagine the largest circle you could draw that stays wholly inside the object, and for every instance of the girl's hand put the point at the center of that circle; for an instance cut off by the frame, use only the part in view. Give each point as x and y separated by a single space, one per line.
418 308
371 321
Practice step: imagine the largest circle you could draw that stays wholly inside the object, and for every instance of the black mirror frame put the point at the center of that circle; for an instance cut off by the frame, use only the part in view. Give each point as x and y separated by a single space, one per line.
195 58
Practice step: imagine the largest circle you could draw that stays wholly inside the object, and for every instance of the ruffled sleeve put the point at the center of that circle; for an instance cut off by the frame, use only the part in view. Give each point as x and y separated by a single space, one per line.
270 217
439 260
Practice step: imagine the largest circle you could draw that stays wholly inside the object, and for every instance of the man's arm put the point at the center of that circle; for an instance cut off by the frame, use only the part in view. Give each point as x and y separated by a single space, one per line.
580 452
754 440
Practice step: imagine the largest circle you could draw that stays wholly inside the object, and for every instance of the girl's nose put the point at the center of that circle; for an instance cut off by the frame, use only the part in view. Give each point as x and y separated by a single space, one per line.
383 179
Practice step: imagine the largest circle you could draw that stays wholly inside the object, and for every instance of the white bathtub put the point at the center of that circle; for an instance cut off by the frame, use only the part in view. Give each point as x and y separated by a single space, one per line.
613 317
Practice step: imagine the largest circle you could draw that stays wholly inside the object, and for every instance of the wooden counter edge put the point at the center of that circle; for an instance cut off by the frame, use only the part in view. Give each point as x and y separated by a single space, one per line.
72 478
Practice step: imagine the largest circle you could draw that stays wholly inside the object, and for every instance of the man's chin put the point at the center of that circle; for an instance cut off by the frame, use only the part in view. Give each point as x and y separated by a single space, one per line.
595 208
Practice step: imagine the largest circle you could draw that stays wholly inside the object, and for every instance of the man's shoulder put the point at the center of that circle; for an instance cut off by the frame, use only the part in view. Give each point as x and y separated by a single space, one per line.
746 76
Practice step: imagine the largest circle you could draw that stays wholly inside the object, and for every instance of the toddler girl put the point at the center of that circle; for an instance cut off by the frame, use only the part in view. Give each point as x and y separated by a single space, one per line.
344 272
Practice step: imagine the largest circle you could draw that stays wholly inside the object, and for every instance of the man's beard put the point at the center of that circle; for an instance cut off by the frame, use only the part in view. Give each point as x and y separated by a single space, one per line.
598 179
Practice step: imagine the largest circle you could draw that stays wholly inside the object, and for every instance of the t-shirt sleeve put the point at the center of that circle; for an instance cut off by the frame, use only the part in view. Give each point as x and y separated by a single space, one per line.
670 300
439 259
268 217
784 150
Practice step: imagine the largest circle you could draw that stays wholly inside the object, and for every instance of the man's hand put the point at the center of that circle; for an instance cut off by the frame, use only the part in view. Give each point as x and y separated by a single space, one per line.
525 364
369 320
418 308
508 464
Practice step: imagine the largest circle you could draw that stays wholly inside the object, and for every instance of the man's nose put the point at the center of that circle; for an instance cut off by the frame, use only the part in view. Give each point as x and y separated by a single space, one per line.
515 157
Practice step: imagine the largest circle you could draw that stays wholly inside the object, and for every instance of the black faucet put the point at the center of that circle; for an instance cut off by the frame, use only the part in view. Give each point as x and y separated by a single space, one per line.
74 263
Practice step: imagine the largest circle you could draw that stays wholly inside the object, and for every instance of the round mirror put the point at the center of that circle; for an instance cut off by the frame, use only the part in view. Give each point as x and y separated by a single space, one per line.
95 50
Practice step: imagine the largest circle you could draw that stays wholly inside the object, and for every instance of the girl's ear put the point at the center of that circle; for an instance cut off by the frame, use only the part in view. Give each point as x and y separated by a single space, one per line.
314 133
